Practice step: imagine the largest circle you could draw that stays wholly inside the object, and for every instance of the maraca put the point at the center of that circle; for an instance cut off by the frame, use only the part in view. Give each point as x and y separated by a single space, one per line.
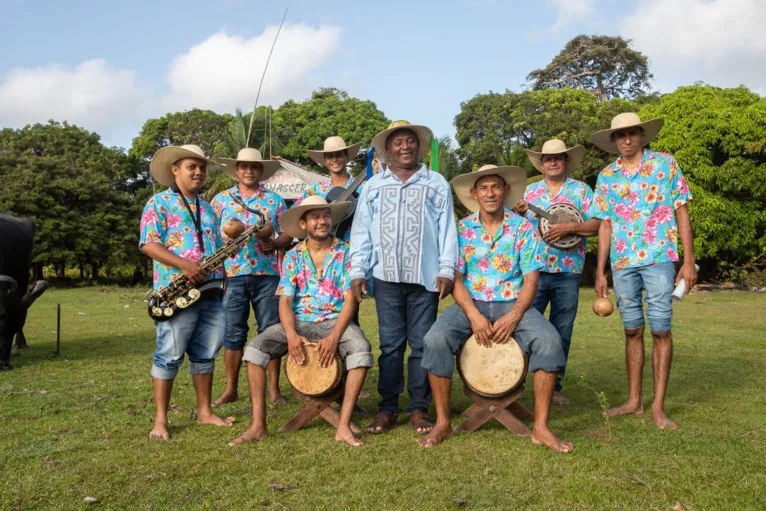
234 227
603 307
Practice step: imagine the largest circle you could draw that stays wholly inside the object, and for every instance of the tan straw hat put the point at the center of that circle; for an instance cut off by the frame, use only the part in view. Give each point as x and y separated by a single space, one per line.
623 121
288 222
331 145
423 133
250 155
574 154
168 155
515 177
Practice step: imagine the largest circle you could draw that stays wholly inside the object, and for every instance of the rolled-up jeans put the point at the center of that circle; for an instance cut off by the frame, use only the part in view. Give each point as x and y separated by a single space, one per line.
657 280
258 291
562 290
196 331
537 338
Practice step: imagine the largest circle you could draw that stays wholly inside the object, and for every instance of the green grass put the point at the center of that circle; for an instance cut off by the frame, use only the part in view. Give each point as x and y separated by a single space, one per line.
77 425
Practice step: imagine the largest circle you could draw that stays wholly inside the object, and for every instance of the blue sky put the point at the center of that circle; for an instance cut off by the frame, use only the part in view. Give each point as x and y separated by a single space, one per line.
109 66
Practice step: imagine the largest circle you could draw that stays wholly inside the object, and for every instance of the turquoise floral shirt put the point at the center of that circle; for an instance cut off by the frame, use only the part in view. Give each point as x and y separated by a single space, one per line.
249 259
575 193
317 296
494 266
641 207
166 220
321 189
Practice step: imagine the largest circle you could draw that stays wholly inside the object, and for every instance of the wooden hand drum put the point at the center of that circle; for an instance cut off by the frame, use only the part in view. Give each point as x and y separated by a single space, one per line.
494 371
311 380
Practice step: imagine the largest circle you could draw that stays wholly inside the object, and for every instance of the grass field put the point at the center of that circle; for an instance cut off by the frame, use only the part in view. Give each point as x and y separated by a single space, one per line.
77 425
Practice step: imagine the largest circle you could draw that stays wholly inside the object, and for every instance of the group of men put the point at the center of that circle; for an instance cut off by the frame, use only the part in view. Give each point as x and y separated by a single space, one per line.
406 248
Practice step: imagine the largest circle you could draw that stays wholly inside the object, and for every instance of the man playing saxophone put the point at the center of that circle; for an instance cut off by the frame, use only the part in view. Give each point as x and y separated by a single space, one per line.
178 229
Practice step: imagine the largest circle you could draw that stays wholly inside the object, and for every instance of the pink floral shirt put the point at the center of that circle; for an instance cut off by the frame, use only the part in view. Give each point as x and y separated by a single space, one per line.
165 220
494 266
641 207
317 296
574 193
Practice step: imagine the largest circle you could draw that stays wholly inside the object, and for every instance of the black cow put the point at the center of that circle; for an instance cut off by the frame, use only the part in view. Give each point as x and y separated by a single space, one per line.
16 236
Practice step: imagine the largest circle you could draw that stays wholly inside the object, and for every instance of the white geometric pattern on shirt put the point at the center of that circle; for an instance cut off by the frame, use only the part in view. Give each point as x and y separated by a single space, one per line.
401 228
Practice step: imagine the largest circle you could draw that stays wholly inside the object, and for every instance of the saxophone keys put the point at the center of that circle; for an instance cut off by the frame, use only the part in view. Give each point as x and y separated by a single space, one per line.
194 294
168 312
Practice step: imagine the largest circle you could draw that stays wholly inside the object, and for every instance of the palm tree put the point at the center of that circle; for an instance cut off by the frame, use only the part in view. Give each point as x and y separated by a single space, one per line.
517 157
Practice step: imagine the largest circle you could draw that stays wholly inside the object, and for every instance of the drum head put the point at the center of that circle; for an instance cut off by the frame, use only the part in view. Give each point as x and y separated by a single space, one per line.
493 371
311 380
566 213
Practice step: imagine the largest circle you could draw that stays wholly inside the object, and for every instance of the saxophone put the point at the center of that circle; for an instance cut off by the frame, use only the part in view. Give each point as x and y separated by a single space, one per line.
181 293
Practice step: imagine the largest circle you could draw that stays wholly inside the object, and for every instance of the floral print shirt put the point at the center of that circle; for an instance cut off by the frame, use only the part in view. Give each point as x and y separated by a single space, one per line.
641 207
317 296
249 259
494 266
166 220
575 193
321 189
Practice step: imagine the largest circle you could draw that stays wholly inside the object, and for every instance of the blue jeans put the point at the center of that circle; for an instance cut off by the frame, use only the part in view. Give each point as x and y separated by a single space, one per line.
562 290
658 281
196 331
258 291
537 338
405 314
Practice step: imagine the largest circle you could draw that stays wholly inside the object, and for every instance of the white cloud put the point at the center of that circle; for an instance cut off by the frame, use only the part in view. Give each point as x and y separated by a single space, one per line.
568 12
223 72
94 95
721 42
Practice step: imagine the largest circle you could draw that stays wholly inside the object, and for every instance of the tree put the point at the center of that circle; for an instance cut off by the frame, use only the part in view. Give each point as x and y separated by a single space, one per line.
604 66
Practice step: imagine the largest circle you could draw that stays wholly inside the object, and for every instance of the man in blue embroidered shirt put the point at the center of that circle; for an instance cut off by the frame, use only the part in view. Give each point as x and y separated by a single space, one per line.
404 234
253 272
495 282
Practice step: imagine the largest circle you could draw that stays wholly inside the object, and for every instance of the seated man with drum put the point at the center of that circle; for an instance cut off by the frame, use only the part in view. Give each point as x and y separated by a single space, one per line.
496 280
563 224
315 310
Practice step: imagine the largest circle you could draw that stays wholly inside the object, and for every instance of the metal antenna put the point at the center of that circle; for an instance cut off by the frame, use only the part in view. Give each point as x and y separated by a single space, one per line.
252 117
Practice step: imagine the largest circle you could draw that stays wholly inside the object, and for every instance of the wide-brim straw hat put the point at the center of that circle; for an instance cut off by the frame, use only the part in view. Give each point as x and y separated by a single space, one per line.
249 154
165 157
574 154
623 121
515 177
423 133
288 222
332 145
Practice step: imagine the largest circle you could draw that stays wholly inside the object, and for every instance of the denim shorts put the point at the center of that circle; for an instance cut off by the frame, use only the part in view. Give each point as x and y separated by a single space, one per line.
242 293
196 331
657 280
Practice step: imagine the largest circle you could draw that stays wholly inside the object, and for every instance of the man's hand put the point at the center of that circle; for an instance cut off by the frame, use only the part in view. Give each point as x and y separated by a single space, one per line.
504 327
557 231
689 273
601 290
295 344
192 271
267 245
443 287
327 347
359 289
521 207
482 329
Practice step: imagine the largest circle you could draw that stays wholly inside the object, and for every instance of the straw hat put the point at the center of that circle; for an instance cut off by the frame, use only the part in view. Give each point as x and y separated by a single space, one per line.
623 121
423 133
250 155
168 155
575 154
331 145
288 222
515 177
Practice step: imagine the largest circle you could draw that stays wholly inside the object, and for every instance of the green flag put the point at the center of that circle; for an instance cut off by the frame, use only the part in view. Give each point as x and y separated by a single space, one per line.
434 154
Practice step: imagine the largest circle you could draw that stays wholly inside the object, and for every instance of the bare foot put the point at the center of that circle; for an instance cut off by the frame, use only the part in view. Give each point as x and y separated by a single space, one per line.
276 398
253 433
437 435
627 409
546 437
344 434
211 419
159 431
363 394
558 399
227 397
661 420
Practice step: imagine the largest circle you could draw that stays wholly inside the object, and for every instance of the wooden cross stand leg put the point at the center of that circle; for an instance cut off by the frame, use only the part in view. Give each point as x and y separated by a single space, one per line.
505 409
318 407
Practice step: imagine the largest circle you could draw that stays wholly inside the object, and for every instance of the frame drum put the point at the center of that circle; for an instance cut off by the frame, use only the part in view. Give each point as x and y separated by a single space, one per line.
494 371
310 379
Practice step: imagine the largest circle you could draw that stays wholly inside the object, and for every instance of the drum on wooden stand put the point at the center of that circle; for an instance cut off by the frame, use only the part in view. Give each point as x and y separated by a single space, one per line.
494 371
310 379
